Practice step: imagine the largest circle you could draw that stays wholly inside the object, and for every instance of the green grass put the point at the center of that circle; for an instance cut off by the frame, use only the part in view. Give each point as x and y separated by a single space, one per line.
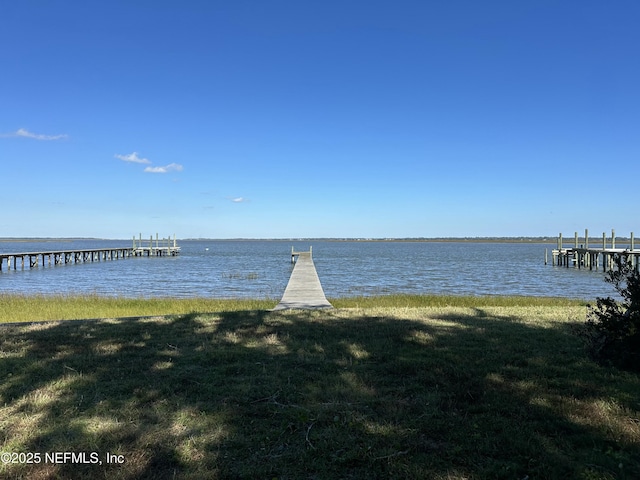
443 392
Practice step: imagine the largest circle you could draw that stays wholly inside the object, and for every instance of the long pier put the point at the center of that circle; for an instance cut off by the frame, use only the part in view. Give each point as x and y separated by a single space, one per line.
63 257
304 290
581 255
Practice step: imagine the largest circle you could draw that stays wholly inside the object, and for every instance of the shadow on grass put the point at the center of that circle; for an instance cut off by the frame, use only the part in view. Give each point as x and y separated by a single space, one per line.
319 395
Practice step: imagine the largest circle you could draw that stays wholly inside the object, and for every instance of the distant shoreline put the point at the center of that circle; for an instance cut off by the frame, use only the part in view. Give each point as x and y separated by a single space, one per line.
549 240
48 239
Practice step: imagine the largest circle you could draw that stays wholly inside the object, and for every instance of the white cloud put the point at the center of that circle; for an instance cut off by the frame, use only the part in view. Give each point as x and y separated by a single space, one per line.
133 158
21 132
172 167
238 199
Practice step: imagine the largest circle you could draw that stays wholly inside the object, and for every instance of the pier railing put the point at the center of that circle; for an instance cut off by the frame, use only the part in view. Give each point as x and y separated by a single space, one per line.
163 247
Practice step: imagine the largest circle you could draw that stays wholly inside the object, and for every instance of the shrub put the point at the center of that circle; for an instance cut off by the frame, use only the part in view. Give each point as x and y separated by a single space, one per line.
612 329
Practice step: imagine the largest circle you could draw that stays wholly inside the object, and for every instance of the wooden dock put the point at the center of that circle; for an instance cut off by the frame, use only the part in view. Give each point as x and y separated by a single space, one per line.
304 290
63 257
581 255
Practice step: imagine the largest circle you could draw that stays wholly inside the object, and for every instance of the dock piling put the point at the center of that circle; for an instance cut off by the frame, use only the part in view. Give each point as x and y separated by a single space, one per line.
586 238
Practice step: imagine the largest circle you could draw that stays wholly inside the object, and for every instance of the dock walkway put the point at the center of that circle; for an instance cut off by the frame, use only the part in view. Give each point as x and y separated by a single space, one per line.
304 290
60 257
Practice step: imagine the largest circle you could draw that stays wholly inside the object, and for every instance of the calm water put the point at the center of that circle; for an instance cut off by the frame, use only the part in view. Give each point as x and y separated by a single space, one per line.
260 269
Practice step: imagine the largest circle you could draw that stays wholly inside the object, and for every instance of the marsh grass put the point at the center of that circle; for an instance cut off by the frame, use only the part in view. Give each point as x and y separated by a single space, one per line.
404 300
29 308
483 392
240 275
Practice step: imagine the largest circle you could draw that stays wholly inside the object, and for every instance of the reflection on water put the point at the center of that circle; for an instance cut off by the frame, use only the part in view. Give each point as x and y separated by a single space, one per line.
261 269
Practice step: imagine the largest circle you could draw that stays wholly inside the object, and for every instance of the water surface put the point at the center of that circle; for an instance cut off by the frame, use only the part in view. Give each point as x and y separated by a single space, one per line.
261 269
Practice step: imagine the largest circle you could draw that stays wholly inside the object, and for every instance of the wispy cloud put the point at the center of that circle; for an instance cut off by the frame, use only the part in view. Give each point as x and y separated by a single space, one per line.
133 158
238 199
21 132
172 167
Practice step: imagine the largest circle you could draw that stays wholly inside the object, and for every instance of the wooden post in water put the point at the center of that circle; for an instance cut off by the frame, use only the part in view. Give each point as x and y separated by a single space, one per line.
560 256
635 263
613 238
586 238
587 254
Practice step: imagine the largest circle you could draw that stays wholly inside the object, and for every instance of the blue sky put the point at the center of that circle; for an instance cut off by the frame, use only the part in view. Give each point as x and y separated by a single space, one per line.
278 119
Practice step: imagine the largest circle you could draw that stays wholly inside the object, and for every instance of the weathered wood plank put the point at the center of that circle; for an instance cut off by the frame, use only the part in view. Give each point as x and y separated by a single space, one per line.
304 290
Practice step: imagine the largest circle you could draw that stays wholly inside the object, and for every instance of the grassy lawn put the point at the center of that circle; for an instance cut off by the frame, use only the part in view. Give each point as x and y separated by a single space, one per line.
482 388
